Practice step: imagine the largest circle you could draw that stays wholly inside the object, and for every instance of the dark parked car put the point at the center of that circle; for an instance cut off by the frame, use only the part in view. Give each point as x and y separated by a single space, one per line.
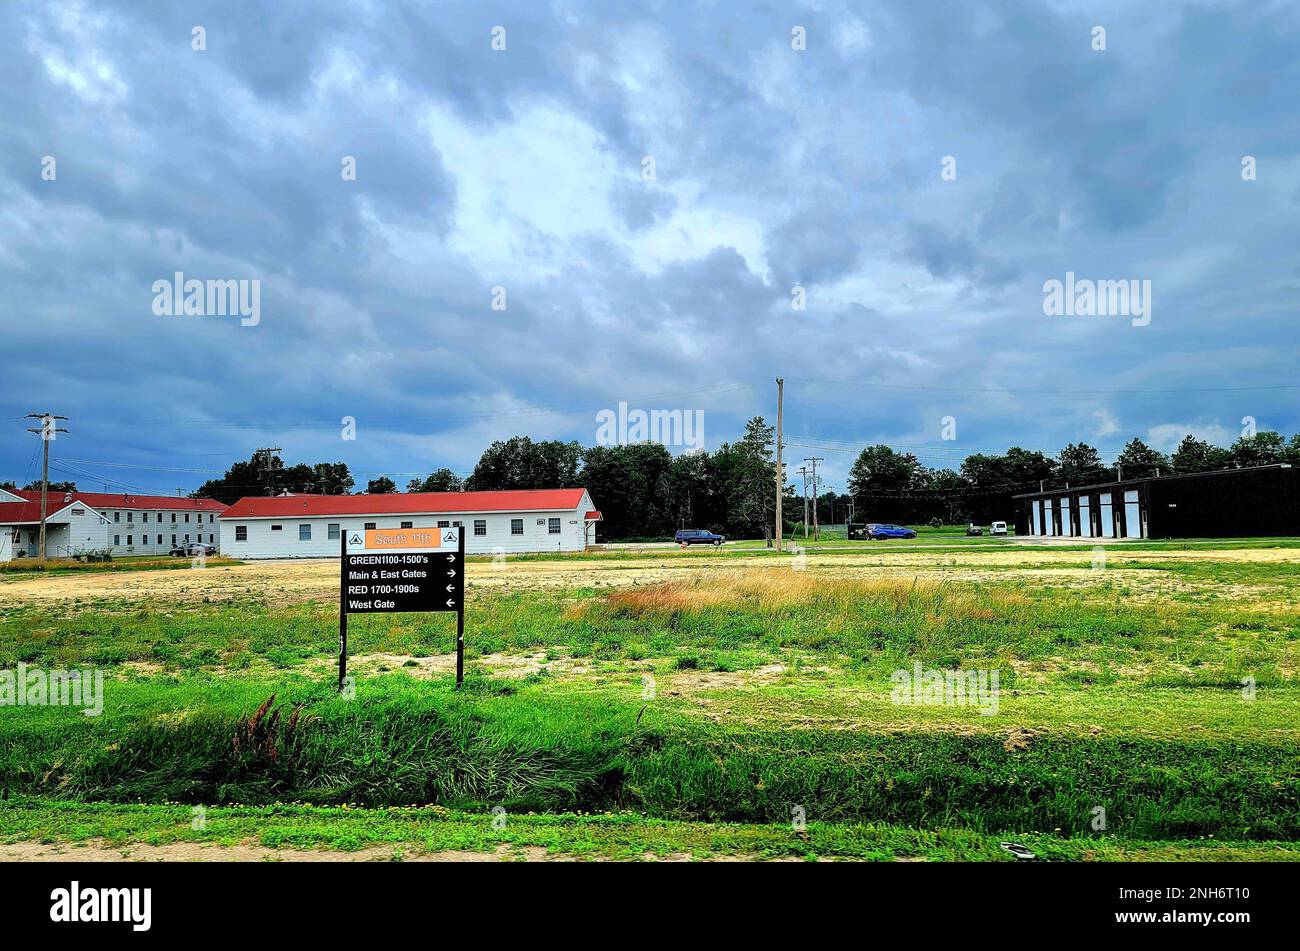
192 550
698 536
974 529
881 532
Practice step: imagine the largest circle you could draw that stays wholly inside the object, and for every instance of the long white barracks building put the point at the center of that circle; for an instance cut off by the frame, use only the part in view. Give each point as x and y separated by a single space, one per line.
310 526
124 524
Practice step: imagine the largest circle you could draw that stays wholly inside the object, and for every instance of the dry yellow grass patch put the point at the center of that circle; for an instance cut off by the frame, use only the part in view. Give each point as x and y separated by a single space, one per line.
768 589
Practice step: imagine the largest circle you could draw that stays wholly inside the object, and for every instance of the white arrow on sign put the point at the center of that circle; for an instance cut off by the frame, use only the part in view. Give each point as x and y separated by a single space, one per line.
451 602
451 587
450 573
451 557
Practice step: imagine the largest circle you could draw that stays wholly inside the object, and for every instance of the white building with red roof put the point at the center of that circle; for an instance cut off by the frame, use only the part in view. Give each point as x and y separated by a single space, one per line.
506 522
122 523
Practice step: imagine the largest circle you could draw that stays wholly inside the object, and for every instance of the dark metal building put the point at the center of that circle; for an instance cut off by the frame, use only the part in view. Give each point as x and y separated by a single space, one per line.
1228 503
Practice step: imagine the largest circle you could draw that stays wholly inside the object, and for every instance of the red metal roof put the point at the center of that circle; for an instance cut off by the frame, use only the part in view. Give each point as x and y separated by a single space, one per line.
18 513
593 516
407 503
119 500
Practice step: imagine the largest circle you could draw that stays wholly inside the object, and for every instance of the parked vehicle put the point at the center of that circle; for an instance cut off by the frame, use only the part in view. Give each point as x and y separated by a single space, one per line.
973 529
883 532
192 550
698 536
999 528
858 530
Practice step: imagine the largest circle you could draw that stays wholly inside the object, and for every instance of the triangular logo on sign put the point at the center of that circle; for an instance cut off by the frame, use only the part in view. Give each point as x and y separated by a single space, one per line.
355 539
449 537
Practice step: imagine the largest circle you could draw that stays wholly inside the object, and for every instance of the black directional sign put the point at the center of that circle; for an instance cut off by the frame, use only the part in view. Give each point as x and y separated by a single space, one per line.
382 576
402 569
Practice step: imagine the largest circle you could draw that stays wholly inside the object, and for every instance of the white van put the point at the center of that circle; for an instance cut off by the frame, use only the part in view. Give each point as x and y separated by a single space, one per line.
999 528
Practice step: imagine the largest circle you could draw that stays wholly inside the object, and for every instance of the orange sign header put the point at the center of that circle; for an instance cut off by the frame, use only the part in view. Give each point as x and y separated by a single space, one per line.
384 539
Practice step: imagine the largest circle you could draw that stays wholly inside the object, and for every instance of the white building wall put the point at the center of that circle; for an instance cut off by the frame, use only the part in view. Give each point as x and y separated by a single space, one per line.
135 531
265 542
85 530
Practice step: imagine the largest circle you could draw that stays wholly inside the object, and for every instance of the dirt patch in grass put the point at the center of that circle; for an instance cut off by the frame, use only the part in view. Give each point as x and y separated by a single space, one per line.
440 665
690 682
250 851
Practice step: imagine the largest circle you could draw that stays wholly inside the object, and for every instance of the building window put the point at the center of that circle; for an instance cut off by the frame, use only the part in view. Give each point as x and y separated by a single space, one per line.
160 518
332 531
187 516
209 538
173 518
277 528
117 540
159 539
304 533
209 519
144 516
516 526
408 525
552 526
130 540
458 524
480 527
241 534
78 511
117 516
370 526
173 539
444 524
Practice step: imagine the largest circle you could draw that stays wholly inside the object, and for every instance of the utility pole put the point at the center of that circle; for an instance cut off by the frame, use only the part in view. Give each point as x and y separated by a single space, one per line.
47 431
266 467
803 471
780 472
816 525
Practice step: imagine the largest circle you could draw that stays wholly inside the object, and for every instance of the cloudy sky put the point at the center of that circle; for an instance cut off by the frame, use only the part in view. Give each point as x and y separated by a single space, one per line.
648 183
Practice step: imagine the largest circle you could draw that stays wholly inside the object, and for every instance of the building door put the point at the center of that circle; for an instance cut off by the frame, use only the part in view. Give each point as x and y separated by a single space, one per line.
1132 515
1107 516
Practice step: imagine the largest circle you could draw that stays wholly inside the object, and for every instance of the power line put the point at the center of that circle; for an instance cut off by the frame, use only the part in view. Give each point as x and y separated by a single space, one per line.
1039 392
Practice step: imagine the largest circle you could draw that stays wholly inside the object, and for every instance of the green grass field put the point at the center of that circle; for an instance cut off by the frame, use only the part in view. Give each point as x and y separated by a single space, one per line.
693 716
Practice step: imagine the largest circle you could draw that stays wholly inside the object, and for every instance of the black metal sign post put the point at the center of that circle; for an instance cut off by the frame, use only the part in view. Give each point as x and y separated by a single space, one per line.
460 613
343 608
409 569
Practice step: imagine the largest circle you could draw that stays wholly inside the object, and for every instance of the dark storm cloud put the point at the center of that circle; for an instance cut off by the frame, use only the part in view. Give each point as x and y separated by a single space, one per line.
522 169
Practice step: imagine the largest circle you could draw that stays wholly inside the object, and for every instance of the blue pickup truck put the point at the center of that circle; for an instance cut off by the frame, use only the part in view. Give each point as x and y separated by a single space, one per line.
698 536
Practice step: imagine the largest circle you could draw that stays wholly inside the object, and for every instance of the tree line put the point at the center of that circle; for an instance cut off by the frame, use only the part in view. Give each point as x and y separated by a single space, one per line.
886 485
643 491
